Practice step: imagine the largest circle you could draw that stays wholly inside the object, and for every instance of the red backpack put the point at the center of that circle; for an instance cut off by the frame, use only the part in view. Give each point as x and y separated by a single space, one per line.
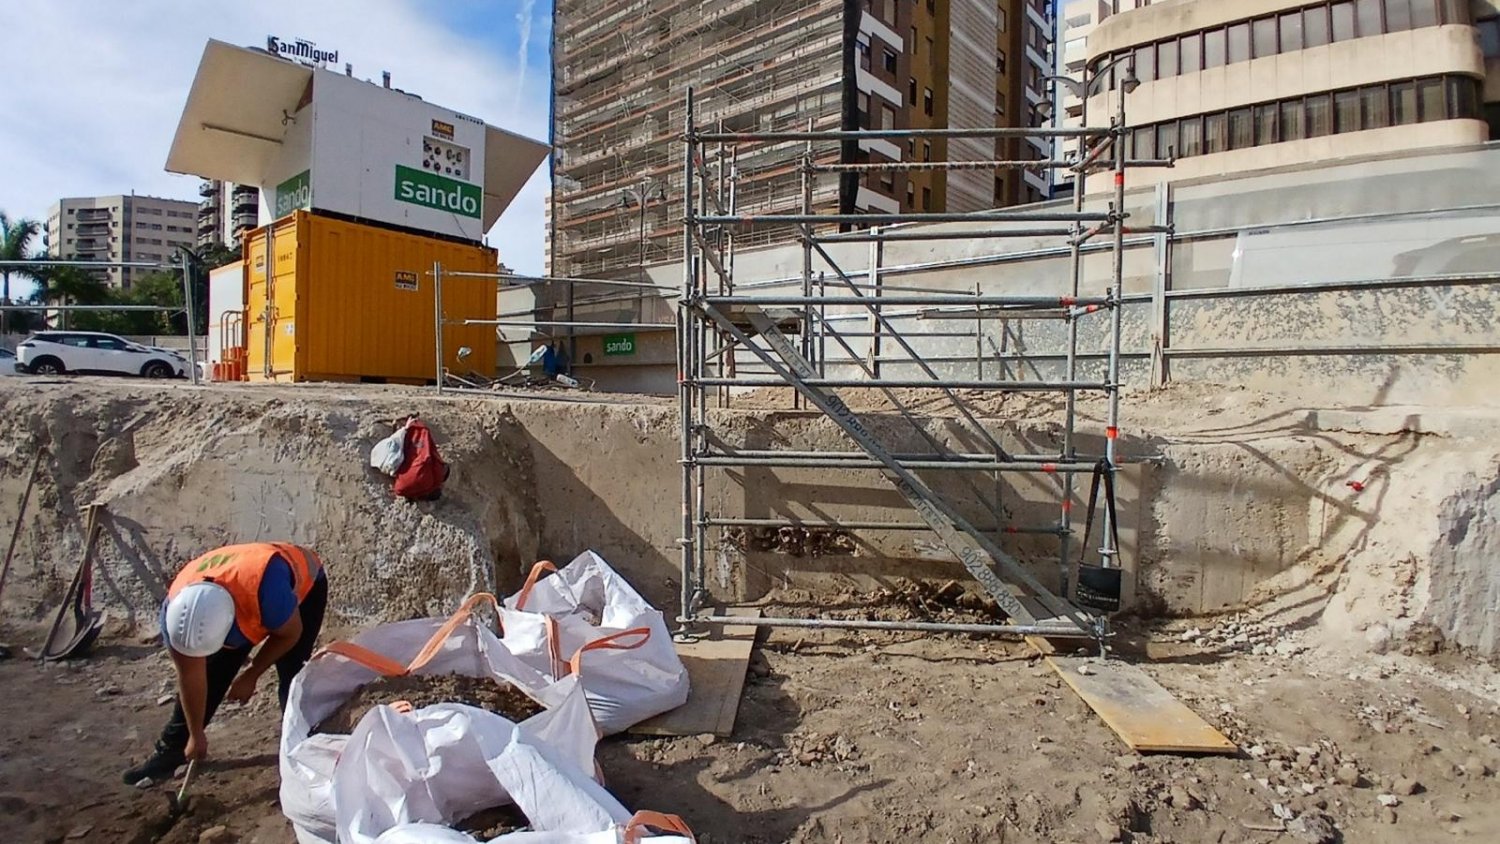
422 472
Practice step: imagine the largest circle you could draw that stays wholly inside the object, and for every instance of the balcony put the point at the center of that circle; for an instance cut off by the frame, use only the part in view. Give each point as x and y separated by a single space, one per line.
208 207
91 245
92 215
91 230
208 189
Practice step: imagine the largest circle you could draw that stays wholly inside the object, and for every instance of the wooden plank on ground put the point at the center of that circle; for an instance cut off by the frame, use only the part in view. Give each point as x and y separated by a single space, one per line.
1144 715
716 666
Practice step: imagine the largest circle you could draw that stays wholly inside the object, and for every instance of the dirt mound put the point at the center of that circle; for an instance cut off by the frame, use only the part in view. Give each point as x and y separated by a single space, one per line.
493 823
483 692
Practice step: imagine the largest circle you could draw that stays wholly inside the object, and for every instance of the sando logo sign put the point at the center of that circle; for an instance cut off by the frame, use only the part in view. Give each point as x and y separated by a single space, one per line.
300 49
292 194
433 191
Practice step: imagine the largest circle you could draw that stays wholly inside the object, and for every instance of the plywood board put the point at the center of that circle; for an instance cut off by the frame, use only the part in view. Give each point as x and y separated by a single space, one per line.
716 666
1144 715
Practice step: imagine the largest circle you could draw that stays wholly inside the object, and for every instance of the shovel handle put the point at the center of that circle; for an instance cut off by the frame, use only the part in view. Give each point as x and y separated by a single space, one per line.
187 780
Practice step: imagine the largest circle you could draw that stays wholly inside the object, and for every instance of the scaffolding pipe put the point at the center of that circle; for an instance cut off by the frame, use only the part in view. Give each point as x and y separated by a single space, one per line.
437 319
1050 631
524 323
879 134
871 463
923 300
684 369
841 524
898 236
879 166
887 219
914 383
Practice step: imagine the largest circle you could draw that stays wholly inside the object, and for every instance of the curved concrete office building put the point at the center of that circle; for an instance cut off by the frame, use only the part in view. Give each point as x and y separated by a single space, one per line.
1235 85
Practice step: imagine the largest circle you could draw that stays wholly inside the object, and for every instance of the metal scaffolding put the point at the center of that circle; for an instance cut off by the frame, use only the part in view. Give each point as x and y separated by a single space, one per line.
718 323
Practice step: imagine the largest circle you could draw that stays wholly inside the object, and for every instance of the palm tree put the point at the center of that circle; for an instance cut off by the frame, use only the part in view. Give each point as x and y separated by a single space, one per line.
15 245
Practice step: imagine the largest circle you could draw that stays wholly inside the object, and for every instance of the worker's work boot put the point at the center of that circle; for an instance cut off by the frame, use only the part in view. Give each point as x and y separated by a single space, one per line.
159 768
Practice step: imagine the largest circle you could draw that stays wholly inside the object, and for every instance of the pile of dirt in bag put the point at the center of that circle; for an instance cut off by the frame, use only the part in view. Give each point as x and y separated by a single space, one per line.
493 823
482 692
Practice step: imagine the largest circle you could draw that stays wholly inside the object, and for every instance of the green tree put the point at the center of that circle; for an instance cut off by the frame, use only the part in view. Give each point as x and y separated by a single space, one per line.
16 238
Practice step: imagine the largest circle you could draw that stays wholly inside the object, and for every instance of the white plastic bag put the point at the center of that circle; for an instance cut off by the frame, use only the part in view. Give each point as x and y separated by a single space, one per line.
442 763
585 619
388 454
429 646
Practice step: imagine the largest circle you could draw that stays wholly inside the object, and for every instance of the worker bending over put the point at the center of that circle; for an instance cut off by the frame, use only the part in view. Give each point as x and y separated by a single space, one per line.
218 608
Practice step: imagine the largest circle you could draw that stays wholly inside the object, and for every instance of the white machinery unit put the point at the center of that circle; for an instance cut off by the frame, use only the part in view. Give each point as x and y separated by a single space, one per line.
320 140
226 308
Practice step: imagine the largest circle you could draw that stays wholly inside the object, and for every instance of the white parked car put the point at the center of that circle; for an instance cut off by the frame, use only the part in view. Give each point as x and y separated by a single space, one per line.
57 352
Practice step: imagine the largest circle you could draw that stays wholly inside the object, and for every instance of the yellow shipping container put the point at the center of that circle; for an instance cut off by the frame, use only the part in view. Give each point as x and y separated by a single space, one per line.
353 302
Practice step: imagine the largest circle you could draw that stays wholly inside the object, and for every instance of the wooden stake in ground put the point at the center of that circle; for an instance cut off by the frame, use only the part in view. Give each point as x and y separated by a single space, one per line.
15 533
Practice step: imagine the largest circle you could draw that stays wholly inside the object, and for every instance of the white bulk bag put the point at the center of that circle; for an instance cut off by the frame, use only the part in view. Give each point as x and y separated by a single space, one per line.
588 612
442 763
429 646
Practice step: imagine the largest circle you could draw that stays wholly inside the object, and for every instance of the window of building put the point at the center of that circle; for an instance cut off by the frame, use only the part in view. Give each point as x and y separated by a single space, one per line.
890 61
1367 18
1293 120
927 150
1455 11
1263 37
1166 59
1001 12
913 41
1423 13
932 7
1241 129
1215 133
1398 14
1346 111
1144 143
1319 115
1463 98
1166 139
1375 106
931 53
1265 124
1000 61
1429 100
887 117
926 199
1213 48
1145 63
1315 30
1192 53
1190 136
1489 38
911 90
1290 31
70 211
864 53
927 101
864 109
1239 43
1403 103
911 196
1343 21
888 181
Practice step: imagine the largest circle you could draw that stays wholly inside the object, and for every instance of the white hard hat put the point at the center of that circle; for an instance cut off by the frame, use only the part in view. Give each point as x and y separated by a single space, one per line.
199 618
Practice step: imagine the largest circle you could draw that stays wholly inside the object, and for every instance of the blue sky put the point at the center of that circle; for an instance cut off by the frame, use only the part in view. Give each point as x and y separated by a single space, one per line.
94 88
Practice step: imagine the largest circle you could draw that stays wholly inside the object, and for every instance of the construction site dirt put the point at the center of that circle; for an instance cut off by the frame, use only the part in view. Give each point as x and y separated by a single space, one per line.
1358 686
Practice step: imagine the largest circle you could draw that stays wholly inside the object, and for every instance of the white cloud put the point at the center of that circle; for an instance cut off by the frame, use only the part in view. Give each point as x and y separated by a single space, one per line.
96 89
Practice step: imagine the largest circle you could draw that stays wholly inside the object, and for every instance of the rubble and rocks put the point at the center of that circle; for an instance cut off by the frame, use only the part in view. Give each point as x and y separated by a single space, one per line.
420 691
1315 828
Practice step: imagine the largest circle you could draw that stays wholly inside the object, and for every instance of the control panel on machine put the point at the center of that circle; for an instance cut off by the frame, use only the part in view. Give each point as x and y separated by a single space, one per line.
445 158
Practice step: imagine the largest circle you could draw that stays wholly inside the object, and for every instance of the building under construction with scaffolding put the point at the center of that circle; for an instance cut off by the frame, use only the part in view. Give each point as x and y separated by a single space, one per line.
621 67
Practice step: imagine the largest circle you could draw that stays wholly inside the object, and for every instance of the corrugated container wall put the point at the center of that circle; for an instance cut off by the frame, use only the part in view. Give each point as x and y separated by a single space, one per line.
352 302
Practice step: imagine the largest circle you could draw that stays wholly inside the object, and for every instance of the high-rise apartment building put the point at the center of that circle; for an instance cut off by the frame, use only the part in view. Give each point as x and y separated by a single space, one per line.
1076 20
225 212
120 229
621 69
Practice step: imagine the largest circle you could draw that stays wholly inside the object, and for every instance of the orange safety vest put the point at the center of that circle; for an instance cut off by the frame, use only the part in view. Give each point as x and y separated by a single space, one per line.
240 569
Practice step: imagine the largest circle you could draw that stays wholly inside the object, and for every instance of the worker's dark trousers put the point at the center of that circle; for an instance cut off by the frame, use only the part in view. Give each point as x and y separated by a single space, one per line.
225 665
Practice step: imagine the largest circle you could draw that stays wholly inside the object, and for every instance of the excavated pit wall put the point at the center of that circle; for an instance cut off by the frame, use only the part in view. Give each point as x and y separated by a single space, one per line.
1225 514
